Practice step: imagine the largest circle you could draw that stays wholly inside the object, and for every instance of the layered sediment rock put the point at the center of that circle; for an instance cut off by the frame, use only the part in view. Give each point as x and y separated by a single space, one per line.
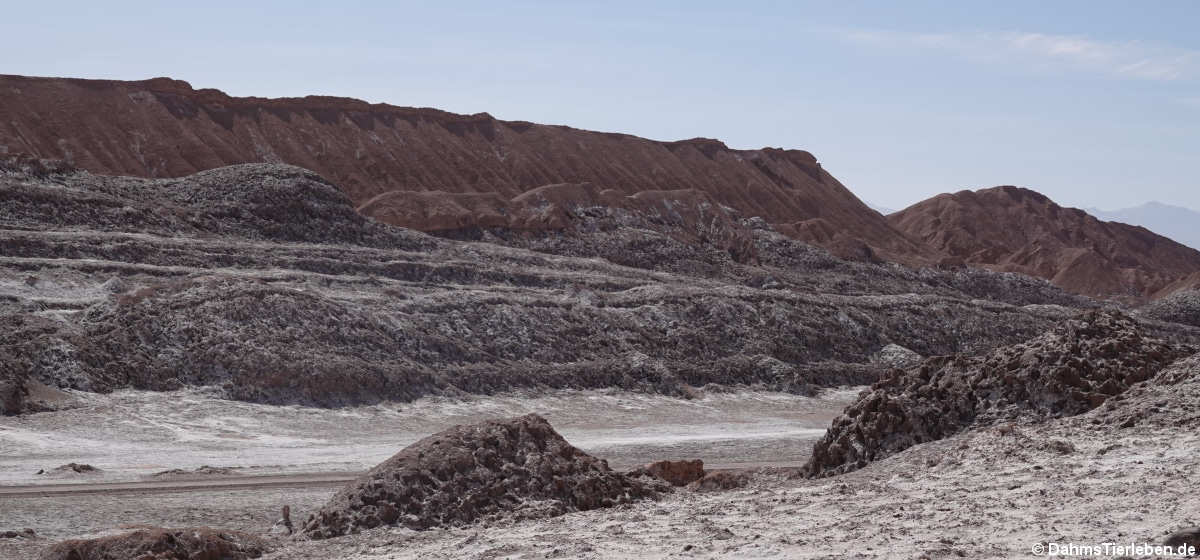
1170 399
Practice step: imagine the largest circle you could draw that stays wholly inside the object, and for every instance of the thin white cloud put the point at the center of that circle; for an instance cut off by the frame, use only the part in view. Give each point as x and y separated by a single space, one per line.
1122 59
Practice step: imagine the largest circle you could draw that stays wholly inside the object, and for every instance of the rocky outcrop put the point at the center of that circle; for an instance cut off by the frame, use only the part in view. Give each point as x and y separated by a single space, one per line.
22 534
382 155
312 303
1180 307
574 214
1185 540
719 480
516 467
1170 399
200 543
1018 230
1070 370
896 356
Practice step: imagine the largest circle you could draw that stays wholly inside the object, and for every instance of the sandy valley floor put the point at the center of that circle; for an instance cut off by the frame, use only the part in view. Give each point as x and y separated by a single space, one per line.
979 495
985 494
132 435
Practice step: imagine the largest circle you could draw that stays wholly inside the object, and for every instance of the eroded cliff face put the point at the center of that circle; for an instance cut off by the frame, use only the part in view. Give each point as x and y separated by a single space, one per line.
1013 229
386 157
262 282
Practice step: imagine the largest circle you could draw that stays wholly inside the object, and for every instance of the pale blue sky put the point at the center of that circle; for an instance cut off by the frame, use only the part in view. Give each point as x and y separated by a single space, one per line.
1093 103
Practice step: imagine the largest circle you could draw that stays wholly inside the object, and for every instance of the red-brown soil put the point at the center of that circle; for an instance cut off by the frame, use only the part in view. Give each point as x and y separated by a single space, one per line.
1011 229
164 128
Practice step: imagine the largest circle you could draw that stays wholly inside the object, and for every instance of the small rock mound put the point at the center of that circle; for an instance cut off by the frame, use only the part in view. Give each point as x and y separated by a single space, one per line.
894 355
13 392
1065 372
76 468
199 543
678 473
721 480
22 534
1179 307
468 473
205 470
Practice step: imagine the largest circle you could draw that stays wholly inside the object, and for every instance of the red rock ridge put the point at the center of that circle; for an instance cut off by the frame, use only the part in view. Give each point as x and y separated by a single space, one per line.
165 128
1018 230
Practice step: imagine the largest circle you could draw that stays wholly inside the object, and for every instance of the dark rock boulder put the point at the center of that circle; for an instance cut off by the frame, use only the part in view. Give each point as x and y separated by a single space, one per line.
22 534
1067 371
77 468
519 466
199 543
12 393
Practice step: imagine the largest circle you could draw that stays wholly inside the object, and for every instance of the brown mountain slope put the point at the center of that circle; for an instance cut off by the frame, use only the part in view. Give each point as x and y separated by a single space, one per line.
164 128
1019 230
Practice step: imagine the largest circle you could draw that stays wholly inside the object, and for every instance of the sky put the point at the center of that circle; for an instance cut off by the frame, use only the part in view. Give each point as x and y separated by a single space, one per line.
1093 103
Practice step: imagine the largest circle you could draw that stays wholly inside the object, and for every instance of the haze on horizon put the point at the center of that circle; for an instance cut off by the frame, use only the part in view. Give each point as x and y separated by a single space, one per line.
1095 104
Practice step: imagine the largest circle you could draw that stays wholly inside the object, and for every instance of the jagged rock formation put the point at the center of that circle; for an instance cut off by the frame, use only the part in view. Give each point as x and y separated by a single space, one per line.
1018 230
1179 307
263 281
1068 371
519 466
1171 398
458 169
199 543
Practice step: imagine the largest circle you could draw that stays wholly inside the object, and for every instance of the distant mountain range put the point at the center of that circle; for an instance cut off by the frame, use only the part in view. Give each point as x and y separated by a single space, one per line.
1178 223
1012 229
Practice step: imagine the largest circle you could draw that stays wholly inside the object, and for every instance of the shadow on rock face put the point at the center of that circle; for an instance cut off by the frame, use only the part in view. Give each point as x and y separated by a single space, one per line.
519 467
